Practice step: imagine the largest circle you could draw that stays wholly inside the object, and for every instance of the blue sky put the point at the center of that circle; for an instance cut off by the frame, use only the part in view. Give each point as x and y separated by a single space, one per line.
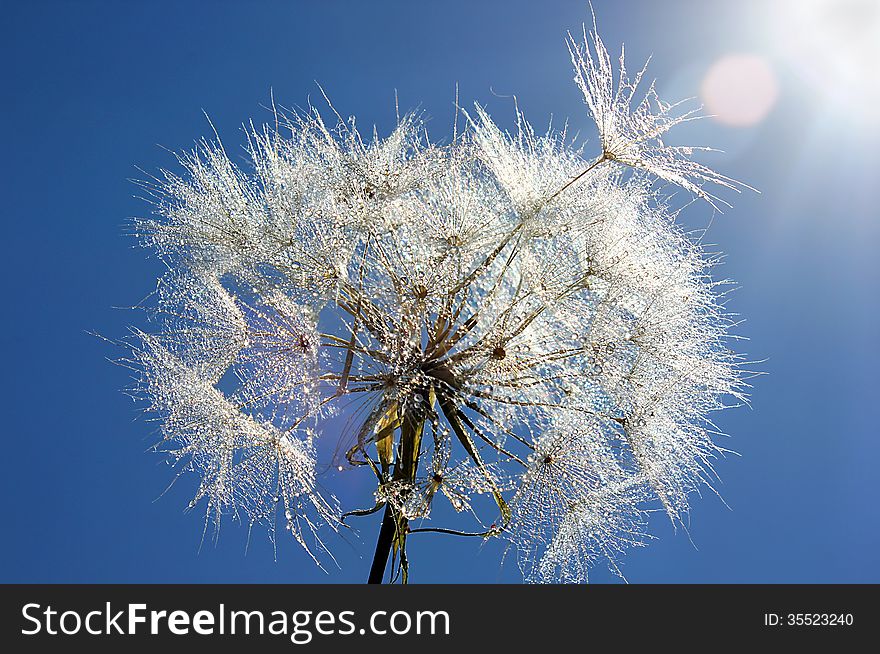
92 90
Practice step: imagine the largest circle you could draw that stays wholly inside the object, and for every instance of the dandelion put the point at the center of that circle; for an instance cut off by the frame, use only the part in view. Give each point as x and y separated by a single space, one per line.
500 316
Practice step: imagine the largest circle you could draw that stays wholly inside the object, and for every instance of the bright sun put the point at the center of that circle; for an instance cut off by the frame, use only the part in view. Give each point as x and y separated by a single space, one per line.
833 45
832 48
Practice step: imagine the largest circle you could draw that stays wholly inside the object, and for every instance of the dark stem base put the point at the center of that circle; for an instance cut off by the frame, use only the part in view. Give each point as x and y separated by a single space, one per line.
383 546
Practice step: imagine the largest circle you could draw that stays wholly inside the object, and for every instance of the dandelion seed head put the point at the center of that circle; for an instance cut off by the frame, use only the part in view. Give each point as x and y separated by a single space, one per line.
499 317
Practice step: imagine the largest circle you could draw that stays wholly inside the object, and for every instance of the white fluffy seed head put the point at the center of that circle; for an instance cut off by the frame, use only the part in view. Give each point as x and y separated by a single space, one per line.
555 335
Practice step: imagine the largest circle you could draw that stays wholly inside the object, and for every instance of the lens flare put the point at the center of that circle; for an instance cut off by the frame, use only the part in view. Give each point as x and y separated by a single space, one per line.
739 90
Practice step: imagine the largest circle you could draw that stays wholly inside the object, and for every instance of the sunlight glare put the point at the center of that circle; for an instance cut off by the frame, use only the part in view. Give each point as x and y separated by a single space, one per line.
834 46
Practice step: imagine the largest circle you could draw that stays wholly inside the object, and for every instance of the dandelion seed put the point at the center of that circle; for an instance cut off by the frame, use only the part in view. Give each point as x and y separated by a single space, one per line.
631 130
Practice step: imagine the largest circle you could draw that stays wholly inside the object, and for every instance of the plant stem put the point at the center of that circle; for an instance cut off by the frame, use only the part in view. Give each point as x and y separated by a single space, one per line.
383 546
601 159
394 526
